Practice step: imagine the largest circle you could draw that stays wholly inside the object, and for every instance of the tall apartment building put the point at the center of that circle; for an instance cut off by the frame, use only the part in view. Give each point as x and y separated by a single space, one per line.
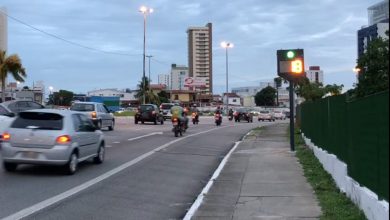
200 55
378 12
164 79
178 74
315 74
378 20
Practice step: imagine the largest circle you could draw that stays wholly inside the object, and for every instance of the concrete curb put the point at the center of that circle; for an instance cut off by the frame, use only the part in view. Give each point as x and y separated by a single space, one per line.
368 201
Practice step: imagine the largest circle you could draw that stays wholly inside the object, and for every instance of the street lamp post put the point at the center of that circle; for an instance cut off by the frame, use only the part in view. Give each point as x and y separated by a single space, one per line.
227 45
145 11
149 56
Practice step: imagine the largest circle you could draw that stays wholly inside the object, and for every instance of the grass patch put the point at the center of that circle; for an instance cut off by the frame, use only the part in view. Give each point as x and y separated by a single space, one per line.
124 114
334 203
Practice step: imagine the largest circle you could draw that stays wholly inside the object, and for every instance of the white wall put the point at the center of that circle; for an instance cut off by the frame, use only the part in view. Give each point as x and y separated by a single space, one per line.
368 201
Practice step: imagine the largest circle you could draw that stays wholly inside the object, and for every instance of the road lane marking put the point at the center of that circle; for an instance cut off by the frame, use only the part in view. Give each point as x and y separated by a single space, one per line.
146 135
53 200
116 142
206 189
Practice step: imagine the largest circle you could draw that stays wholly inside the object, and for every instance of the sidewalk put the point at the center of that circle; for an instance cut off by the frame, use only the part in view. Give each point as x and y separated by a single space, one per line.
261 180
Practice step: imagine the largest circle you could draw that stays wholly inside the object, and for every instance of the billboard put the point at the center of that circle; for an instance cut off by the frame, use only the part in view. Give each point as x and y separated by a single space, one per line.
193 82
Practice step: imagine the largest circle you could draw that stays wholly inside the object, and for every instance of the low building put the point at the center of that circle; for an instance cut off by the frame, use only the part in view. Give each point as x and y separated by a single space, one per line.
232 99
157 88
126 98
183 96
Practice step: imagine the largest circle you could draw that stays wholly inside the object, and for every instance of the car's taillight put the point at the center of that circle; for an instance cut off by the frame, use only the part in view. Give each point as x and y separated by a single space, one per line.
6 137
153 112
174 119
63 139
93 114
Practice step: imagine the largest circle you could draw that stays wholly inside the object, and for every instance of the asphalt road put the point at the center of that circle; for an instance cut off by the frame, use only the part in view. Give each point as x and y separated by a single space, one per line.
147 174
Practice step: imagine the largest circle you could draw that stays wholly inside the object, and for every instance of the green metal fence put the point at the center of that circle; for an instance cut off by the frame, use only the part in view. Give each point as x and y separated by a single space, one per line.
357 132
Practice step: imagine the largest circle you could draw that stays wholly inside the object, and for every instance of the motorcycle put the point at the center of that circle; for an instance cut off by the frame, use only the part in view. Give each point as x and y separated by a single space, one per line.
178 127
195 118
218 119
230 116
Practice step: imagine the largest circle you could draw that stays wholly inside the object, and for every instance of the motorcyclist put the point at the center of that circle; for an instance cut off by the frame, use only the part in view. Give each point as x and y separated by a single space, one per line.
218 110
178 112
231 114
195 112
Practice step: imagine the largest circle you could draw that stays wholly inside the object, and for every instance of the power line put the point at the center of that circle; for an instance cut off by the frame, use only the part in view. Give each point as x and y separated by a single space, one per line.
65 40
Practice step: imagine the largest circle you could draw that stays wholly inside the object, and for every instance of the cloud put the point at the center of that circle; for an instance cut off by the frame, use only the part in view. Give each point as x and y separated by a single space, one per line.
325 28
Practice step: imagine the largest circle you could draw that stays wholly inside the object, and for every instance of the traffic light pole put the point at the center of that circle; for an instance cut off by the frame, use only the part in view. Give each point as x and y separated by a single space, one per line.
292 141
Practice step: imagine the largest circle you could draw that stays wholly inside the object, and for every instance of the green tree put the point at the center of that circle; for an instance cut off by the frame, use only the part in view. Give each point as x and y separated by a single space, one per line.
278 84
266 97
334 89
374 68
310 91
163 96
314 91
150 97
63 98
10 65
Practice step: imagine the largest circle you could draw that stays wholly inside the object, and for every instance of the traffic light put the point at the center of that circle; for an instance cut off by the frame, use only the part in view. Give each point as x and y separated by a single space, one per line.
291 64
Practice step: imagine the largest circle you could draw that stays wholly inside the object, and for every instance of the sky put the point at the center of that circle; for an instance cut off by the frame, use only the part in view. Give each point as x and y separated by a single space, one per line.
102 41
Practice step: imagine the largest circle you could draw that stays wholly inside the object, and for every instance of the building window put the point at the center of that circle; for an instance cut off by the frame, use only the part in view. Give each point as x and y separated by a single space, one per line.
176 97
234 100
317 77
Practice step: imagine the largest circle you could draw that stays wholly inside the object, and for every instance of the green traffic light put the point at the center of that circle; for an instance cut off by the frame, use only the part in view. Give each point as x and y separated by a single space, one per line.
290 54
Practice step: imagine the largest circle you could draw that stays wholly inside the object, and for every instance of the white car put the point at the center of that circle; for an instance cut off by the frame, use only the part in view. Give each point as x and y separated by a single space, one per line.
279 115
6 118
265 115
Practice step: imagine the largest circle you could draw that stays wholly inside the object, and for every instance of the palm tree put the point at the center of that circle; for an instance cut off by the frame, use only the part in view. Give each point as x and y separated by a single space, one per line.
278 84
150 97
11 64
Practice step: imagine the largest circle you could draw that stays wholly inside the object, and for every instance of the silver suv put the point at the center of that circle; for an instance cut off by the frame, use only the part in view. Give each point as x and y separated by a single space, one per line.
98 112
51 137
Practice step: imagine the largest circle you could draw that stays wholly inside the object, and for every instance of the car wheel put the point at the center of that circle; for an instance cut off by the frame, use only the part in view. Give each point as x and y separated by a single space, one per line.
71 166
10 167
155 121
135 121
99 124
142 122
162 121
111 128
100 155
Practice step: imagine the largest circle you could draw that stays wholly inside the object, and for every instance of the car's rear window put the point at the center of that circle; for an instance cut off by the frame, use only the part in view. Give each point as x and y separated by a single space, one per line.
264 112
83 107
38 120
166 106
146 108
